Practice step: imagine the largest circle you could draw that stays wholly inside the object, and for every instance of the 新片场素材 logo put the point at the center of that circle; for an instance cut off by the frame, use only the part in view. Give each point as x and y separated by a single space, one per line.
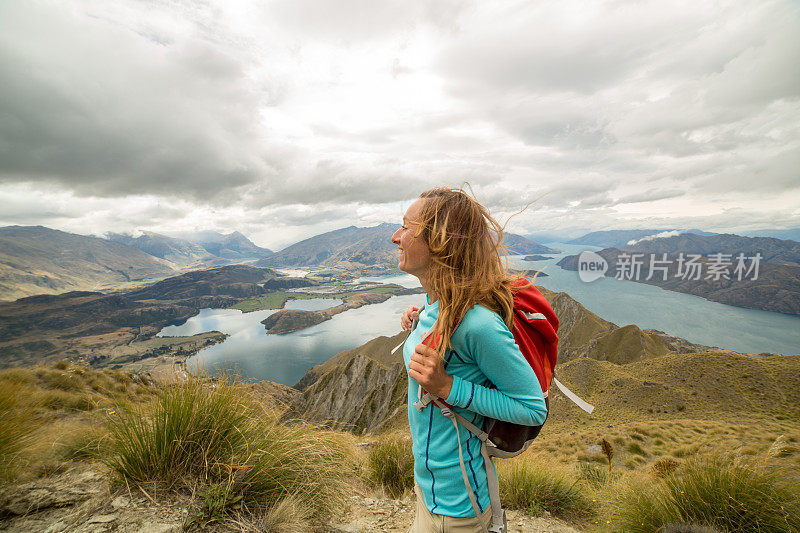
591 266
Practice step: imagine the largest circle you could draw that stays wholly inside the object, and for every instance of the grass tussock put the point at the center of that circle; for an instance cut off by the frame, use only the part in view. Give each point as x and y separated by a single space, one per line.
391 465
715 491
535 488
17 427
595 475
82 442
214 440
191 429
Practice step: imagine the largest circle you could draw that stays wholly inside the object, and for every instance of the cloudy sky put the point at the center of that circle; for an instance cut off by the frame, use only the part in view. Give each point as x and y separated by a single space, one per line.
286 118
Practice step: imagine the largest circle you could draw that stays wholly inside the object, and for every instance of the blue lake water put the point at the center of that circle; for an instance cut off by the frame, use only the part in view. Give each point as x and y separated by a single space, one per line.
691 317
286 358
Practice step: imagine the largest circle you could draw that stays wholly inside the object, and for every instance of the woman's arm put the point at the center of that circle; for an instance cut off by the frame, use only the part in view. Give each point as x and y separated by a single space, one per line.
518 396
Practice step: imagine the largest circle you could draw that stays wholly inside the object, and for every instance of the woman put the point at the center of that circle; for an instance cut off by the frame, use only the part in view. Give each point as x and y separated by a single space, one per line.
451 243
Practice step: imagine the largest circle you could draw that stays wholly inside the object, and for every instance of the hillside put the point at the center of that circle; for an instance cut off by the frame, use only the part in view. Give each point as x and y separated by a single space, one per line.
776 251
180 252
235 280
697 385
40 260
619 238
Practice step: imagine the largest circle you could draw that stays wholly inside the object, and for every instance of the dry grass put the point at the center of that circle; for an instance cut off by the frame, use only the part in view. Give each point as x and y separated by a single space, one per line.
719 491
17 427
536 487
51 415
390 464
212 439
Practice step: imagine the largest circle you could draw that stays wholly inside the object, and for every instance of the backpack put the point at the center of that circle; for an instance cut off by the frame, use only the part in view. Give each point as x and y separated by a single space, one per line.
535 332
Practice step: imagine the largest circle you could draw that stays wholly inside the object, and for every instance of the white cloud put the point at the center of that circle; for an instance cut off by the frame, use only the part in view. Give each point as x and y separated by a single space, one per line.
284 118
661 235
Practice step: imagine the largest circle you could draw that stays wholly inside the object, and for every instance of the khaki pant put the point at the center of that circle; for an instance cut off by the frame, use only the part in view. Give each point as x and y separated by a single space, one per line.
428 522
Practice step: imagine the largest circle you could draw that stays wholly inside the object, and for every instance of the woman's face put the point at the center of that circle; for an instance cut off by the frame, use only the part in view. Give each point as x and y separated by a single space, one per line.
414 253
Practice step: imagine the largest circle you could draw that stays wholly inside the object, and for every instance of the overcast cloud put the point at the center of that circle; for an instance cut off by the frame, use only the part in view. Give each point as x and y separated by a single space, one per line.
283 119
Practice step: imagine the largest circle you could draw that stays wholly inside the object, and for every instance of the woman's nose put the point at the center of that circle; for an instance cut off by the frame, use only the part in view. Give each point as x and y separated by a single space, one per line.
396 236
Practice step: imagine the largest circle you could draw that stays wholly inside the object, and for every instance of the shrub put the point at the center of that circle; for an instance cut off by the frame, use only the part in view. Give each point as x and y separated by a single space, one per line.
663 467
391 465
535 489
716 491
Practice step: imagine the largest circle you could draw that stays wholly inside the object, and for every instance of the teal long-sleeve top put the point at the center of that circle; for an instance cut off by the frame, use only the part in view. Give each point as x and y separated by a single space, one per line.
483 354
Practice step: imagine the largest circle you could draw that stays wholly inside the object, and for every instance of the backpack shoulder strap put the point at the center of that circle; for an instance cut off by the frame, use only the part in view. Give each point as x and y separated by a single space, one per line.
498 524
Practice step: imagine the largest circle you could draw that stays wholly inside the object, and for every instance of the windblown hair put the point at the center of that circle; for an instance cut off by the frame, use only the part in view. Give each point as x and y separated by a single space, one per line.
466 266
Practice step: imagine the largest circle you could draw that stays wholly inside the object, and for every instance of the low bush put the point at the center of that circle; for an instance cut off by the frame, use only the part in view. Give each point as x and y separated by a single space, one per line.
535 488
391 465
716 491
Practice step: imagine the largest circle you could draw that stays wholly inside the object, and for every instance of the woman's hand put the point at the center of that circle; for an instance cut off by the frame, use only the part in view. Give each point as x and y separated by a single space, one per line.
409 315
427 368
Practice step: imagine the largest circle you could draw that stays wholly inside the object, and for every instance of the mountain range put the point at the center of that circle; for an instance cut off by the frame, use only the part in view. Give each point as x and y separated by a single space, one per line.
619 238
40 260
359 248
195 249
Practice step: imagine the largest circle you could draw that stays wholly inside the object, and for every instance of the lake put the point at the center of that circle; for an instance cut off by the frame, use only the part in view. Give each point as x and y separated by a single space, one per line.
286 358
685 315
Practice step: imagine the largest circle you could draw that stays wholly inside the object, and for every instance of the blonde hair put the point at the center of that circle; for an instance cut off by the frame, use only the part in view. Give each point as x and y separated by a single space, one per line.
466 268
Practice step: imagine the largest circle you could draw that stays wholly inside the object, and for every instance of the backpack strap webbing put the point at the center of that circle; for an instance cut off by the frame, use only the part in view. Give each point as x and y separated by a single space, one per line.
498 524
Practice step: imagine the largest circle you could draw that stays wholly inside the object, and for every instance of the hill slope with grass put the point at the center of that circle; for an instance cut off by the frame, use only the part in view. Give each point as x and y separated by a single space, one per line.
87 453
40 260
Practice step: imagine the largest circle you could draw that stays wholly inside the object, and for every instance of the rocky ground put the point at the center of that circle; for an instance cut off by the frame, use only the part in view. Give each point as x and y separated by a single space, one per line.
80 500
395 516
